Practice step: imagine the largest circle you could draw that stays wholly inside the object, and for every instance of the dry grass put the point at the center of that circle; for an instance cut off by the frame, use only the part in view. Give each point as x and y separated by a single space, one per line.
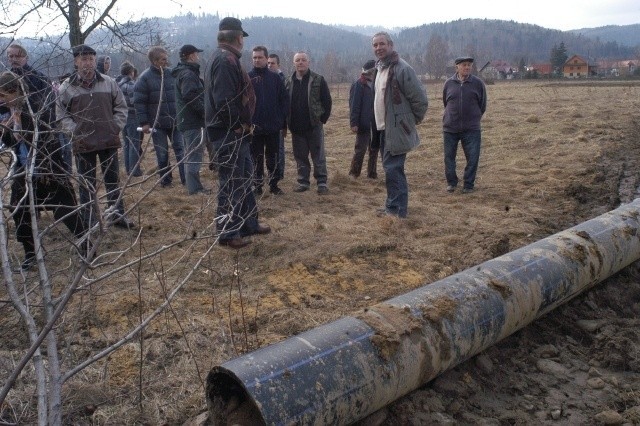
551 158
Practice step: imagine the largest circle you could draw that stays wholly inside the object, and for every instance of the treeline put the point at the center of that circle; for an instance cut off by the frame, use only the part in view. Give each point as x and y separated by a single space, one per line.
339 52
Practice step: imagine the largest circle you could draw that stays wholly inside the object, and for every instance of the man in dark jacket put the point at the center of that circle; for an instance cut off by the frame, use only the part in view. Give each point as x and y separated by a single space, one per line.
465 101
362 122
229 105
272 104
130 135
155 102
310 109
190 114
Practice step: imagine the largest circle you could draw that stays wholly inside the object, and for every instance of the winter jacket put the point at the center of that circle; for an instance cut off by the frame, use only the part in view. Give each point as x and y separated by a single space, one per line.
49 163
406 104
229 99
361 105
464 104
93 117
155 89
272 102
127 84
318 100
189 96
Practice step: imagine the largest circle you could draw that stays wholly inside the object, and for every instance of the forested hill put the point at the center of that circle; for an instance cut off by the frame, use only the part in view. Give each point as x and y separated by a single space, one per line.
339 51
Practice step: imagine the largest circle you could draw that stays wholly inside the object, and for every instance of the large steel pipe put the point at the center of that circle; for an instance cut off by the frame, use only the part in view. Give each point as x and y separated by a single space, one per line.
343 371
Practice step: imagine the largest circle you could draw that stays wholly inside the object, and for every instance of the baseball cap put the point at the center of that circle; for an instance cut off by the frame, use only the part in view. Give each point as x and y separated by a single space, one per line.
188 49
232 24
464 59
83 49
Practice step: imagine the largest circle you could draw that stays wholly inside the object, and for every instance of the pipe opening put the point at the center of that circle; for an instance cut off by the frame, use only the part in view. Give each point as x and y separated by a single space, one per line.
228 401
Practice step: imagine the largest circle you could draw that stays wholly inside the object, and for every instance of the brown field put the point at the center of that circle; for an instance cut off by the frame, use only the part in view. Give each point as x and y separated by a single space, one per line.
553 155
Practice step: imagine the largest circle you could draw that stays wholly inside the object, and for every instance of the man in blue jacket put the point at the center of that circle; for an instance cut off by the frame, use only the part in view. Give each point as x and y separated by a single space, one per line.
465 101
155 102
190 114
269 118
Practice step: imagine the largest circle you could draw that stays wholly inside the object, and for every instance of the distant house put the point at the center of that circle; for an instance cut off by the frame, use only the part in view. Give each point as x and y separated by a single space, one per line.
542 70
624 68
578 67
499 70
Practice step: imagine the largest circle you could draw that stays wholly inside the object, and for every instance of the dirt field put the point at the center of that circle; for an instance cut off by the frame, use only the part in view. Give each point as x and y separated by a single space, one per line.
553 155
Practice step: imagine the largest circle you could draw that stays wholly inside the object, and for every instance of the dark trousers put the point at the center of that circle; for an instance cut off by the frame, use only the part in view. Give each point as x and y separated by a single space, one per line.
237 213
364 142
265 146
87 164
470 141
53 193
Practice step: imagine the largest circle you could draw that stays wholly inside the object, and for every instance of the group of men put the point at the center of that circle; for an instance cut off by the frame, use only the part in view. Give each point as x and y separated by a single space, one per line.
243 119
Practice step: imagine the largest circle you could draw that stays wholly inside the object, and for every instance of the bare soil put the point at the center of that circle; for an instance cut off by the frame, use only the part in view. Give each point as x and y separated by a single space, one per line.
553 156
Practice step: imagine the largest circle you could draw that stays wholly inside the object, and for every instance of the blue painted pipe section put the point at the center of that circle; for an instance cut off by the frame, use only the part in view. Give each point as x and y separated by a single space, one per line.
343 371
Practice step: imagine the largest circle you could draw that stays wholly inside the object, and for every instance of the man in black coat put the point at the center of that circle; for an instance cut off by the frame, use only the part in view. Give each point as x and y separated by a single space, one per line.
190 114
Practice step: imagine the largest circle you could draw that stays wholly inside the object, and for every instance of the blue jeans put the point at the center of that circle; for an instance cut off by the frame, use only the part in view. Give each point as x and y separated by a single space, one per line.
470 141
396 181
193 159
131 150
87 164
310 143
161 145
67 152
237 213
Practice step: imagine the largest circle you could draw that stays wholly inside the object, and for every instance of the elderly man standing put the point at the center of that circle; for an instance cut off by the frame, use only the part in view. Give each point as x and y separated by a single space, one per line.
190 114
229 104
465 101
310 109
93 112
400 103
363 122
155 102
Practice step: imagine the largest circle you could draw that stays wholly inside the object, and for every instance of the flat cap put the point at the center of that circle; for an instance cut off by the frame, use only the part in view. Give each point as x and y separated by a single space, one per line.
232 24
464 59
83 49
369 66
188 49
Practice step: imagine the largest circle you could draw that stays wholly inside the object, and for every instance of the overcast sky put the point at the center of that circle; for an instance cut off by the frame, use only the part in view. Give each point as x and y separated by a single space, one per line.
556 14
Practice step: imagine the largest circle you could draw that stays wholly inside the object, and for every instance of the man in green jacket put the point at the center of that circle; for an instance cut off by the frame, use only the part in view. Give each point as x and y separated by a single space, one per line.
400 103
310 108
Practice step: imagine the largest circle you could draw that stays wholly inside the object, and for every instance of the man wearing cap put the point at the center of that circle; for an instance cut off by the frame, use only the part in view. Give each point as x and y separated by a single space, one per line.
93 112
400 103
155 101
229 106
190 114
362 122
465 100
269 119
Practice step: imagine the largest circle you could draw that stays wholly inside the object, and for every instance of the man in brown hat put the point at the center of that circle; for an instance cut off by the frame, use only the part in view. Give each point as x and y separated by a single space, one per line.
229 105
